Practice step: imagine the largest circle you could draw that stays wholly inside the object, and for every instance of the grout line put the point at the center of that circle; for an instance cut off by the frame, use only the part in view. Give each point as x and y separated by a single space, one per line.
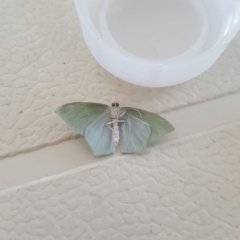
93 165
208 99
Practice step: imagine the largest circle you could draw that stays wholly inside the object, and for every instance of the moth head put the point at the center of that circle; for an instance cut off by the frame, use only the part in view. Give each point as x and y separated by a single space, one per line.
115 104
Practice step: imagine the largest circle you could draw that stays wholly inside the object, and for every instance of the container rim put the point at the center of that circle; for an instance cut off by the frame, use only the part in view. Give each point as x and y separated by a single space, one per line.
226 35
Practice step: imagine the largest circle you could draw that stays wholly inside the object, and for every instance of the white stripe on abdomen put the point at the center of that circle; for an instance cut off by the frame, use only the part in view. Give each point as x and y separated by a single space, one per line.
115 132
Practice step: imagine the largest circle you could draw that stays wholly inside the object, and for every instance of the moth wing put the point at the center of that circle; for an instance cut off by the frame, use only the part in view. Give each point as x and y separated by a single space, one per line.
79 115
134 134
99 136
159 126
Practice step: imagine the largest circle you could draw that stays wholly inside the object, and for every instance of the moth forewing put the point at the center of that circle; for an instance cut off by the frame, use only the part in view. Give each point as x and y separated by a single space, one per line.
79 115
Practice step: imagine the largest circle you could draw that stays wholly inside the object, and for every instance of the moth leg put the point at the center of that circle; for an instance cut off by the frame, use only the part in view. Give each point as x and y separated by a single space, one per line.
109 128
108 125
115 120
135 110
122 113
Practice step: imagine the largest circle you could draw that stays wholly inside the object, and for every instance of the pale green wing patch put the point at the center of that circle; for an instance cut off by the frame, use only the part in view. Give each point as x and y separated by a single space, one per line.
159 126
134 134
79 115
99 136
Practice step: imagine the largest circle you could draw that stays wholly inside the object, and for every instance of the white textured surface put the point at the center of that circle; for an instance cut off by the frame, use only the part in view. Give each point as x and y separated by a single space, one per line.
45 63
189 189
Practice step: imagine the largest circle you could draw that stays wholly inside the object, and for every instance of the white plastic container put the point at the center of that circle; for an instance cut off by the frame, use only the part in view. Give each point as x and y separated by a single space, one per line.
157 43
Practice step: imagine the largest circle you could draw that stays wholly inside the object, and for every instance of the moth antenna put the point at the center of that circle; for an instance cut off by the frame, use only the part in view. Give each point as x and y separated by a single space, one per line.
136 111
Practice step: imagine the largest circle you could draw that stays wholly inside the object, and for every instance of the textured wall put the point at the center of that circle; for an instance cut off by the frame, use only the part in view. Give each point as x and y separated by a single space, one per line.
45 63
186 190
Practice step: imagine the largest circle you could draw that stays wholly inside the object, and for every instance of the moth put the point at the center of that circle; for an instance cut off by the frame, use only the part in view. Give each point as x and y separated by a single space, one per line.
104 127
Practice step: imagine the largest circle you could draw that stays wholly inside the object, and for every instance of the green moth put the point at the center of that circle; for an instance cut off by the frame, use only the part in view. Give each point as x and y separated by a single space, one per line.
104 127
